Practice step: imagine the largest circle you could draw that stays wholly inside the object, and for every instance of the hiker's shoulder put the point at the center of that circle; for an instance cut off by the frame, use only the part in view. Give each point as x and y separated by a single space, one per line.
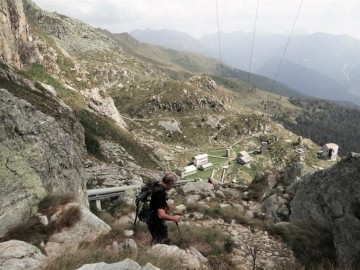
157 187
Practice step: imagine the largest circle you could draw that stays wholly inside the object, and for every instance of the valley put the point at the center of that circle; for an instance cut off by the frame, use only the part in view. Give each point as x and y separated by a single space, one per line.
83 108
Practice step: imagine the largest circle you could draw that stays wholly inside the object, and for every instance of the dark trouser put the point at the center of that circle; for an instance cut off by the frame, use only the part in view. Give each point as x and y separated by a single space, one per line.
159 232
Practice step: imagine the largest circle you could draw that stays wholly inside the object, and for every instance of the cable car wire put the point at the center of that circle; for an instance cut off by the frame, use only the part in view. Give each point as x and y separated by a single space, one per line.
287 44
253 41
218 28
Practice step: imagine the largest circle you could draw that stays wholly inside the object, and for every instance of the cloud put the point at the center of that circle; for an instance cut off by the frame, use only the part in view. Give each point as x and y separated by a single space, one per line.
198 17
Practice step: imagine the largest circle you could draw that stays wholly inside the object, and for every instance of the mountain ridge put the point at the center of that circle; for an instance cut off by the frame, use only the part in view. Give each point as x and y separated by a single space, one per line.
124 120
334 56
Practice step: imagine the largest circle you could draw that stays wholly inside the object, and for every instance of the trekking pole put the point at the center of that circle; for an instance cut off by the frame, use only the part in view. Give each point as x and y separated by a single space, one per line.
136 215
177 225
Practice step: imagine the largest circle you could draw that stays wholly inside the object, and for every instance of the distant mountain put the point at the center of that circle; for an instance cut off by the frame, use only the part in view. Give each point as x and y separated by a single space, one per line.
169 39
315 84
196 62
334 60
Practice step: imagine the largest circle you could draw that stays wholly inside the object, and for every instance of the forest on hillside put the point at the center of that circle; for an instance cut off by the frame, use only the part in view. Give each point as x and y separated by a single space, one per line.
324 122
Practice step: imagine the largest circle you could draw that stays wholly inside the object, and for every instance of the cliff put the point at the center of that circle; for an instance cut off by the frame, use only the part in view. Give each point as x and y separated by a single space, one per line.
330 199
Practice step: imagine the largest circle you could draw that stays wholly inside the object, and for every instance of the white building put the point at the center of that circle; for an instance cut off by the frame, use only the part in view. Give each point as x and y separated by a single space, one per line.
243 158
200 159
206 166
185 171
330 151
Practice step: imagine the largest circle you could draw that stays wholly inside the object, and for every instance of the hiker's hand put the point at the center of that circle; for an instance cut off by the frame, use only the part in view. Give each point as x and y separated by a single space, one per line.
177 218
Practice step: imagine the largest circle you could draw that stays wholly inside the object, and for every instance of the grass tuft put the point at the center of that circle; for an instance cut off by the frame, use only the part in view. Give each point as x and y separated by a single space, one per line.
221 262
52 203
36 233
94 252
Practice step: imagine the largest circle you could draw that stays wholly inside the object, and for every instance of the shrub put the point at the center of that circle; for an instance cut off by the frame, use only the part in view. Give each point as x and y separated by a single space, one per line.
312 246
221 262
209 242
257 187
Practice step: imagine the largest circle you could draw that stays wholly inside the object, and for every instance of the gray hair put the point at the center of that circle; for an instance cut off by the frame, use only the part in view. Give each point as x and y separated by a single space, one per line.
169 178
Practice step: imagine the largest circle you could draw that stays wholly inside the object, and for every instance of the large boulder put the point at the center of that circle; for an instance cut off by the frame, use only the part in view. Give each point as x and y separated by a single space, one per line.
39 155
201 186
21 190
88 228
126 264
187 260
274 208
20 255
330 199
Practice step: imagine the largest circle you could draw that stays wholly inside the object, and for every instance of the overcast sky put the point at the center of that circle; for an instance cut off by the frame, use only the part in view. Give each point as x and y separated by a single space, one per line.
199 17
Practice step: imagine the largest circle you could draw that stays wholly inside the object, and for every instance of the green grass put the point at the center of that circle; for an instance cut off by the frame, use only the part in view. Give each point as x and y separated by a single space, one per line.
41 100
199 174
218 153
252 170
38 72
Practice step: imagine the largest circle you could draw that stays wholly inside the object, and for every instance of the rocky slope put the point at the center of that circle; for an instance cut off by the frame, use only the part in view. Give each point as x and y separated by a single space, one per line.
78 90
330 199
40 155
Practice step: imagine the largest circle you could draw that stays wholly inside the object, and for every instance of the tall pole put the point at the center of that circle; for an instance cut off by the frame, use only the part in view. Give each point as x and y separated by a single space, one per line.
223 174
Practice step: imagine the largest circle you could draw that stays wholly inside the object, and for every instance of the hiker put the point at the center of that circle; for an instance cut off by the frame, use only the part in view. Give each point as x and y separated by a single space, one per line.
159 207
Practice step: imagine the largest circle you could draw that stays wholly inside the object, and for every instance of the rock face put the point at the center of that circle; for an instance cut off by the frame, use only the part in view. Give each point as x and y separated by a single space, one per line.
15 42
331 200
39 155
103 104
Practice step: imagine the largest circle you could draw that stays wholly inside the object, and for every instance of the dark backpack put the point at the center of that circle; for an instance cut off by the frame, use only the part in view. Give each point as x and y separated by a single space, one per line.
142 201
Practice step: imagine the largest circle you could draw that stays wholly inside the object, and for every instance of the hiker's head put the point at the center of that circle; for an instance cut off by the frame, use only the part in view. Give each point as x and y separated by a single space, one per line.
169 179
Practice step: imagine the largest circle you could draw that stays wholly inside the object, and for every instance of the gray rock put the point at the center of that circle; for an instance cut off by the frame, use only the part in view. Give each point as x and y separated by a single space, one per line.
88 228
39 156
180 209
271 207
149 266
126 264
283 211
330 199
19 255
197 254
188 260
239 207
296 172
15 32
192 198
130 244
200 186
